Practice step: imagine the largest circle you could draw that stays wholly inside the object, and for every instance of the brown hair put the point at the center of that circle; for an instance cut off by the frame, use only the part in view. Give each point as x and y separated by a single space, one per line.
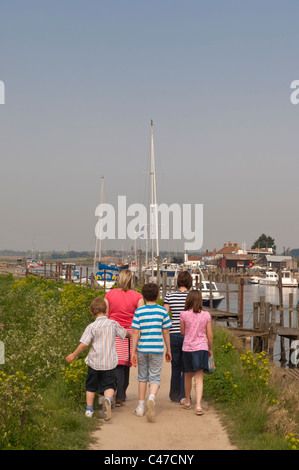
150 291
184 280
194 301
97 306
125 280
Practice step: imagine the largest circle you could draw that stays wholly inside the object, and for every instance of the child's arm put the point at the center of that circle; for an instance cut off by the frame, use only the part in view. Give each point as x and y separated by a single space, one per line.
135 338
76 353
166 337
210 337
182 326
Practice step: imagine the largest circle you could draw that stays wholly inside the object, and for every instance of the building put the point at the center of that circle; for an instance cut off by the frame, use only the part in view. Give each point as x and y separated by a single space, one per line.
258 252
233 257
235 261
193 262
209 257
276 262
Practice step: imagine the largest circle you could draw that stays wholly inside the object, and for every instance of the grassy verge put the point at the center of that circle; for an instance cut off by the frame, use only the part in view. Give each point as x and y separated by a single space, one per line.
258 411
41 399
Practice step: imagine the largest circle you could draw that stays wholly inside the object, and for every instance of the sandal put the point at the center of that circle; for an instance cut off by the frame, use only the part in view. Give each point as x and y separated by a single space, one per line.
187 406
199 411
182 401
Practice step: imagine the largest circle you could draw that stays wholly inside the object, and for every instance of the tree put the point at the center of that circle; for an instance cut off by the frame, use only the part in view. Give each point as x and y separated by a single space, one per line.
264 241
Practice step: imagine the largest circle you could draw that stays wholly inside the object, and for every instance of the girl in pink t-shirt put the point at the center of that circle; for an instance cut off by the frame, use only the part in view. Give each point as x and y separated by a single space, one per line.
197 347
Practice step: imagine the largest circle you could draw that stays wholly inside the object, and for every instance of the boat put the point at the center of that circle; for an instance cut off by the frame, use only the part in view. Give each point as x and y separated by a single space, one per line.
205 291
254 280
74 272
288 279
106 276
270 278
31 263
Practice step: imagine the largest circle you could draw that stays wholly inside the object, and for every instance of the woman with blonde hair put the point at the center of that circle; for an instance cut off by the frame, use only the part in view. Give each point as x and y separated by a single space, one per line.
122 303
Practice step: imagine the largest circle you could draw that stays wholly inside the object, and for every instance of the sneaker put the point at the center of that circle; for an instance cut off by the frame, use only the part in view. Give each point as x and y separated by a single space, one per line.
107 409
139 411
151 411
89 413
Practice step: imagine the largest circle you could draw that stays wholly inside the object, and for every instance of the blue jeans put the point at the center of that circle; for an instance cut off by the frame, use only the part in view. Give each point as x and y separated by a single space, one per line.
177 385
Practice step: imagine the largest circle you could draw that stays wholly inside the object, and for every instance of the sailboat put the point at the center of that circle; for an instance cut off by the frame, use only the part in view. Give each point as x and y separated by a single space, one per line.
151 267
106 276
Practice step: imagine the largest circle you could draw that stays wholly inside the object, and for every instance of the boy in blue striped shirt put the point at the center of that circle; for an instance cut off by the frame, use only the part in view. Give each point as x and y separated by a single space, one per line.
151 325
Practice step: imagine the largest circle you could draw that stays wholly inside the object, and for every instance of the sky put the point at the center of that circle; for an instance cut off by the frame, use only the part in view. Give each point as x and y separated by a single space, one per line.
84 79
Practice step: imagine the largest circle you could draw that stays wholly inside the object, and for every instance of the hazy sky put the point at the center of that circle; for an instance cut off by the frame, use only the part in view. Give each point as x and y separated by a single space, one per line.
83 79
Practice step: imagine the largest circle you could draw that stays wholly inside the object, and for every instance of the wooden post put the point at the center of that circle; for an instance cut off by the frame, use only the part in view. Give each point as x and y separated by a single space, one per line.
211 292
272 335
282 343
291 302
227 292
164 284
241 301
291 351
255 324
267 324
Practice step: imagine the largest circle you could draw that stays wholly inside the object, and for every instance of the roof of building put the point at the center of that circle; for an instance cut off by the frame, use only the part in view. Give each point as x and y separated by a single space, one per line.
229 248
277 259
234 256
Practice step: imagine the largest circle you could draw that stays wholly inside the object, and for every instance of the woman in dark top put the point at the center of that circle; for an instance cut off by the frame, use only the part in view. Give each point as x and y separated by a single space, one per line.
174 302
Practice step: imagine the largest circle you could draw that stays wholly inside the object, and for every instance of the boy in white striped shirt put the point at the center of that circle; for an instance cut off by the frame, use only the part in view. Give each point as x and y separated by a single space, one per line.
151 325
102 357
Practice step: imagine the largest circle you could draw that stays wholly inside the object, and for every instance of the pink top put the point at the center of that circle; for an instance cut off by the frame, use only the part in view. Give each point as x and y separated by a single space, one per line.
122 305
195 330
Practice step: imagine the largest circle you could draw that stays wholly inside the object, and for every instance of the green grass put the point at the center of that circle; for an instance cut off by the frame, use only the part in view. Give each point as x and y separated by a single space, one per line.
43 321
257 413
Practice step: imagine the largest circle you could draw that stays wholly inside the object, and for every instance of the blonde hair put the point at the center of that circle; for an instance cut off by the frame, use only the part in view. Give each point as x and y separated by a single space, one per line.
125 280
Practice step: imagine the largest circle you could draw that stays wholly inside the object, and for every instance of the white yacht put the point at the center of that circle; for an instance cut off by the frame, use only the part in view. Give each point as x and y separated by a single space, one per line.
205 291
287 279
270 278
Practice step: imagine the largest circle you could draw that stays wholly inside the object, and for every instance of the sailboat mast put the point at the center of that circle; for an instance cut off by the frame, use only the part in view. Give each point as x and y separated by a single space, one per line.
99 239
154 212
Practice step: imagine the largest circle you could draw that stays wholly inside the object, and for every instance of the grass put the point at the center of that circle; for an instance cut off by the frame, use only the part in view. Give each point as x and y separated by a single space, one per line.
43 321
256 409
42 399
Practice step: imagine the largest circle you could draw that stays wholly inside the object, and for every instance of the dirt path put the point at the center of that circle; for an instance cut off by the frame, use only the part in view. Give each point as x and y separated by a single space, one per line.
174 428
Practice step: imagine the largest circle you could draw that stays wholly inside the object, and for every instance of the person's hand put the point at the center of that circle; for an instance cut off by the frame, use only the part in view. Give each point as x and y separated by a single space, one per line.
128 335
70 358
134 359
168 356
